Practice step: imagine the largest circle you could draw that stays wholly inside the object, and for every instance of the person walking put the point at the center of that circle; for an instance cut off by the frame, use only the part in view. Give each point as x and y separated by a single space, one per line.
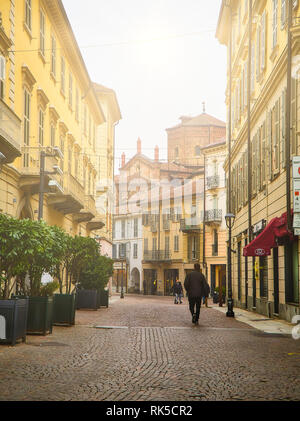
206 294
195 285
178 292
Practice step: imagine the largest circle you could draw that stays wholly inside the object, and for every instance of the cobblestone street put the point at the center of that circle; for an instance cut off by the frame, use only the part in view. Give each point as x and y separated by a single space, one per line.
153 353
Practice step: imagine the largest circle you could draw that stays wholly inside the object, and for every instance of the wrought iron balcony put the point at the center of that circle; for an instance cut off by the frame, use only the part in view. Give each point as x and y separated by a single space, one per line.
190 225
213 182
10 133
157 255
213 216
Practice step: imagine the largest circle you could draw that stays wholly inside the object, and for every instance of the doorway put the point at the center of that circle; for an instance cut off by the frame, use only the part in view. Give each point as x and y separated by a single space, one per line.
276 280
170 275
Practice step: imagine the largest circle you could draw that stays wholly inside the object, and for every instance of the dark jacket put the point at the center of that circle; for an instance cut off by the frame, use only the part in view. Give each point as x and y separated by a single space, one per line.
195 285
177 289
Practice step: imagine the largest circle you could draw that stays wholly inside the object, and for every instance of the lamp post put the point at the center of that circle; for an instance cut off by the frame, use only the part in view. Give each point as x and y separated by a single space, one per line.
55 153
229 218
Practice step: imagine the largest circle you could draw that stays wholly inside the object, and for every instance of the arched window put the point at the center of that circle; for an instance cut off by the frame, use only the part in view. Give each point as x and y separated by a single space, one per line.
197 150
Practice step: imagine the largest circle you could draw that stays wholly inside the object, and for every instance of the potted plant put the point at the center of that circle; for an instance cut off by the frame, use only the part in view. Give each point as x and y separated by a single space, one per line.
95 276
216 295
43 252
13 312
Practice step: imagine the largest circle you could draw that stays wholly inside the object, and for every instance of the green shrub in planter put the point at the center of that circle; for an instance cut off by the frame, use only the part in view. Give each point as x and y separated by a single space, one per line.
64 309
103 298
86 298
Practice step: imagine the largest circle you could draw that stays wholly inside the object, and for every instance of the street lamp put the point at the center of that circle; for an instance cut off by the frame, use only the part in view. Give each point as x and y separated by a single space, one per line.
55 153
229 218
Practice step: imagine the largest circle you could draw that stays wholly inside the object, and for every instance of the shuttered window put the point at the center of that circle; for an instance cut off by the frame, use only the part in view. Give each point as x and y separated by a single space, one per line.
258 46
276 136
263 155
283 13
252 66
270 150
258 160
263 42
294 117
274 24
42 33
283 127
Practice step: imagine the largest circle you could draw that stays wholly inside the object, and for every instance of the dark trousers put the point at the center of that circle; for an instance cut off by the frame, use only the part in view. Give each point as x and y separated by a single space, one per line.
195 301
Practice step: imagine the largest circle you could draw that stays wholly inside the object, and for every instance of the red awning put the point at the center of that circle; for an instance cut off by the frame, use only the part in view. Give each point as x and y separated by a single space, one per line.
266 240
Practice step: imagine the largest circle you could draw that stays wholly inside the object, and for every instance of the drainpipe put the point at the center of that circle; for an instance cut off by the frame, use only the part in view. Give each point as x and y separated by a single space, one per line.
249 125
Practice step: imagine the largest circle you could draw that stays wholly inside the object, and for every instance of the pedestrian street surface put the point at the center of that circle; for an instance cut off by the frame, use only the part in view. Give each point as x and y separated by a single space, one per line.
146 349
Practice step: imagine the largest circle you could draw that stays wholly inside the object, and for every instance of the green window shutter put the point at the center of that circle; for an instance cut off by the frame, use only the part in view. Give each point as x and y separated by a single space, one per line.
294 117
283 127
263 155
269 146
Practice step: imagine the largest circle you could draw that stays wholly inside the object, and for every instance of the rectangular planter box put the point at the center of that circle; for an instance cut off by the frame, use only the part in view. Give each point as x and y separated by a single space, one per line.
64 309
13 320
86 298
102 298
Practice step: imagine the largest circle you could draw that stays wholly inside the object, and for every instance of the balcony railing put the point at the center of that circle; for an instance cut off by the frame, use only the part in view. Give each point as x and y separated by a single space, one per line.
213 215
10 133
213 182
157 255
190 224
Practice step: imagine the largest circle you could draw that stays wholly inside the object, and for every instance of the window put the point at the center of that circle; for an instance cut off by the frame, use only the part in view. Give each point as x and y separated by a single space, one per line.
41 127
291 261
135 228
167 243
114 251
135 251
194 248
62 75
26 122
2 76
62 148
42 32
274 23
283 126
122 250
176 243
114 230
70 90
146 244
28 14
76 162
294 117
176 152
123 229
283 13
77 105
263 276
263 42
154 243
197 150
53 56
215 243
70 164
52 135
252 67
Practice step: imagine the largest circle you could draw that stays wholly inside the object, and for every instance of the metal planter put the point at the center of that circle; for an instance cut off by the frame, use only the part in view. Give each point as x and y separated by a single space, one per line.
64 309
40 315
13 320
86 298
103 298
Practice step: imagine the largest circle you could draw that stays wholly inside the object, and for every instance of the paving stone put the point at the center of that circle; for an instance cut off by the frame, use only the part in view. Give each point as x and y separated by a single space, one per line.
159 356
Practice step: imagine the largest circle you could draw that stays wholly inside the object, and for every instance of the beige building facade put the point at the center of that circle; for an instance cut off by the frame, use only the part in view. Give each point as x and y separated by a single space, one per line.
267 284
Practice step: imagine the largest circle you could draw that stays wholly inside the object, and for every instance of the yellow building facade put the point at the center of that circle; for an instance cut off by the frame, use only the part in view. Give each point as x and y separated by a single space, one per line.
48 104
267 284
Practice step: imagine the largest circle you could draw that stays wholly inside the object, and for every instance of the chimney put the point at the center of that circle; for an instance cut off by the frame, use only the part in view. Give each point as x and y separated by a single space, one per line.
123 159
156 153
139 146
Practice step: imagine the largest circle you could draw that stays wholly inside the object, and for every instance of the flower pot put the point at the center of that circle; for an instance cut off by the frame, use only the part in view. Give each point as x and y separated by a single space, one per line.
40 315
13 320
86 298
64 309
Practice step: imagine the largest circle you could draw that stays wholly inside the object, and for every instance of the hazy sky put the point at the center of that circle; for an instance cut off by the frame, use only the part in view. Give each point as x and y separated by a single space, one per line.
164 62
